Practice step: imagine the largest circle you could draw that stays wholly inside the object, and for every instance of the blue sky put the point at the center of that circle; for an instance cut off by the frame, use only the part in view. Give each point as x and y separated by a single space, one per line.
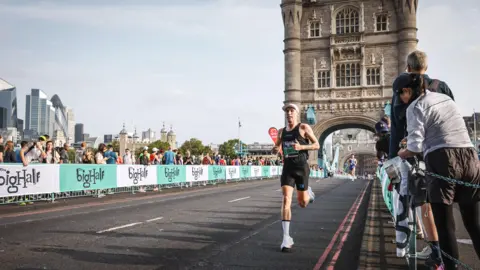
198 65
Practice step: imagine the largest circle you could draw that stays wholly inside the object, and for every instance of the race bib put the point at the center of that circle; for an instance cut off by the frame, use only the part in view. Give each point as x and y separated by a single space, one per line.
289 150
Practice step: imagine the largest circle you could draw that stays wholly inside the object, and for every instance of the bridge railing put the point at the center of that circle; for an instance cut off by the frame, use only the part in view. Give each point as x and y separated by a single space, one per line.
47 182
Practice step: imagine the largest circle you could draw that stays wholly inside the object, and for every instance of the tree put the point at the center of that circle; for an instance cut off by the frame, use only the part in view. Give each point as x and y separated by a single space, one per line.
160 145
227 148
195 146
116 146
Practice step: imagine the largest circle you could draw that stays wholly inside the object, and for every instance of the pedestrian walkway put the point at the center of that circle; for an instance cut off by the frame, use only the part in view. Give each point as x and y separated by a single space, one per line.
378 249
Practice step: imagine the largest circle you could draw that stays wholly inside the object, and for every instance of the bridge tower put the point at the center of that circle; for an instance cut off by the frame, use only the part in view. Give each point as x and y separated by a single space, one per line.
341 58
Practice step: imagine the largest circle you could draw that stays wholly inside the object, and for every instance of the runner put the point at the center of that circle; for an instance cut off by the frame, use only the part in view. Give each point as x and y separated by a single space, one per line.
352 163
294 139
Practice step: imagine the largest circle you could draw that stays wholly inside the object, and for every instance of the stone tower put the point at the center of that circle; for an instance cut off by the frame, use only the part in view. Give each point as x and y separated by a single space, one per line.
341 58
163 133
172 138
123 140
292 17
406 11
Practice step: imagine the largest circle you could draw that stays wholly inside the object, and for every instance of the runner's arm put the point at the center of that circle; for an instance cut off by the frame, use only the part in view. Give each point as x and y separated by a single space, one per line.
310 136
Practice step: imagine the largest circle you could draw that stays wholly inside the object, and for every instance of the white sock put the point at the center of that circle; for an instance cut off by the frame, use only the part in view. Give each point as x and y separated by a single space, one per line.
286 228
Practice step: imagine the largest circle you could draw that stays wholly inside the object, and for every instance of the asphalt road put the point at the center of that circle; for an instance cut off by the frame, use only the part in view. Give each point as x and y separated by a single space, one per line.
235 226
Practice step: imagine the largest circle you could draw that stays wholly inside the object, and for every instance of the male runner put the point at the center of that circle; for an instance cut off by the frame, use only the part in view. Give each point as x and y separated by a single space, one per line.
294 139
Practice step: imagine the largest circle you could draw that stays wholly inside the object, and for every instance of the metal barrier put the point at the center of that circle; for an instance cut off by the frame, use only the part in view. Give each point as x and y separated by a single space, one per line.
49 182
411 255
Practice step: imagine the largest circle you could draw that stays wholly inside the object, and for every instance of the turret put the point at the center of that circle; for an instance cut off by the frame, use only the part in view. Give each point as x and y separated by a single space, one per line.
292 15
163 133
407 30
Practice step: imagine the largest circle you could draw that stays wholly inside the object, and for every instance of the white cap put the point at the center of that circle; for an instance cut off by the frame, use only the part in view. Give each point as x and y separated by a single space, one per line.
290 105
154 149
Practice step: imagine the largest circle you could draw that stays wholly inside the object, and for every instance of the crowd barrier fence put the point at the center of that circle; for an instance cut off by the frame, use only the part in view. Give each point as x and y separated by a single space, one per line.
47 182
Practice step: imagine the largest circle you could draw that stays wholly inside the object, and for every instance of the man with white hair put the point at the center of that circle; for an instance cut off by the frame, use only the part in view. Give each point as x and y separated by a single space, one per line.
295 141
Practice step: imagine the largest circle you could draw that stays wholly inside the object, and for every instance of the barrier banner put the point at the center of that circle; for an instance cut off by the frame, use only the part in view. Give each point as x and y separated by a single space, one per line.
255 172
74 177
266 171
245 172
136 175
168 174
274 170
233 172
216 172
197 173
16 180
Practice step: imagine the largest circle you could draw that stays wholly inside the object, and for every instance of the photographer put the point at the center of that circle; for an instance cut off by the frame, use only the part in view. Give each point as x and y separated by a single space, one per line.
436 128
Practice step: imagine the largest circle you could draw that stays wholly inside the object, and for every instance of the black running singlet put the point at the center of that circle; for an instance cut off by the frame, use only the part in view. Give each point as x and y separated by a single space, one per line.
289 139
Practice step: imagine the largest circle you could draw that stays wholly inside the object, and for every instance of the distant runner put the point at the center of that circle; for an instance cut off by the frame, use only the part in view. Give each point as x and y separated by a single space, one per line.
294 139
352 163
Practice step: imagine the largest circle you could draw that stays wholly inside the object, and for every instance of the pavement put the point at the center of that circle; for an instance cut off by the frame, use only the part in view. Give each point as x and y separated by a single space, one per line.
233 226
378 249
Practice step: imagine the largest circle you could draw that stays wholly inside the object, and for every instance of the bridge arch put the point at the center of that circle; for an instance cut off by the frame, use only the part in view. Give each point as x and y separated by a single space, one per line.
328 126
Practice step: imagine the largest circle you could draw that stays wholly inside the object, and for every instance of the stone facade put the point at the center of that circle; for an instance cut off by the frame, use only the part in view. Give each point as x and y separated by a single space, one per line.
342 57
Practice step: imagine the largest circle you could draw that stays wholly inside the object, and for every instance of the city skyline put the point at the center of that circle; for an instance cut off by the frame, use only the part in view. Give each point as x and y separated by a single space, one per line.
145 62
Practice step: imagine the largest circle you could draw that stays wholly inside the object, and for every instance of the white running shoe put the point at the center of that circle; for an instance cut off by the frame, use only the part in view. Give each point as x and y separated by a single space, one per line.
311 194
425 253
287 244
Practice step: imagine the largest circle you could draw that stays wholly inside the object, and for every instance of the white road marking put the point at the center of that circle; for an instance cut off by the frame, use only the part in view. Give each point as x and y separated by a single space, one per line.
120 227
279 189
465 241
154 219
317 181
236 200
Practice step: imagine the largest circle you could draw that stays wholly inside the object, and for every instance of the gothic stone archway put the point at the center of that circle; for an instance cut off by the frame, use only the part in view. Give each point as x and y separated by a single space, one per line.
324 128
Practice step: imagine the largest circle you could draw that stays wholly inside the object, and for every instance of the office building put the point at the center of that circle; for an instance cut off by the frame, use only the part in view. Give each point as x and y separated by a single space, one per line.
39 113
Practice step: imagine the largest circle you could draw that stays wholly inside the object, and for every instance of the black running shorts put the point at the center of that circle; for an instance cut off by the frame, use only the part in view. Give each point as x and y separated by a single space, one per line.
296 176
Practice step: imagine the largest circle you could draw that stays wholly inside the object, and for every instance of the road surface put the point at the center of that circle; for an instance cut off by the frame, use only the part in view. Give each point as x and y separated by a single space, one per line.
234 226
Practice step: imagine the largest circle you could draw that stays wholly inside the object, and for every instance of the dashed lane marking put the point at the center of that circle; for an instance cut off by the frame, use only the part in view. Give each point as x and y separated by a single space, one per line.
120 227
239 199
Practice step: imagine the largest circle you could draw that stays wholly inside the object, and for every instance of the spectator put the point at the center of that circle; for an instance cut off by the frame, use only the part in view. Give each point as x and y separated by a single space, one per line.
64 154
2 149
127 158
9 156
169 157
110 155
51 156
80 153
436 129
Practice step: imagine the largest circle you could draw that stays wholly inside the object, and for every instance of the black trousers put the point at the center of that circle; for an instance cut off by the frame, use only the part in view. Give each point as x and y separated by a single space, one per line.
445 223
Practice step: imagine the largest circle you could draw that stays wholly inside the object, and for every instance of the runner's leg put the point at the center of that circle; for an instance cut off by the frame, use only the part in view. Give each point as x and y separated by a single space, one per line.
287 183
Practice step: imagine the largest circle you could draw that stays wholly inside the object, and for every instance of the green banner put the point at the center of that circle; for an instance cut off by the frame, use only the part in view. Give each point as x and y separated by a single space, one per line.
168 174
217 172
74 177
265 171
245 172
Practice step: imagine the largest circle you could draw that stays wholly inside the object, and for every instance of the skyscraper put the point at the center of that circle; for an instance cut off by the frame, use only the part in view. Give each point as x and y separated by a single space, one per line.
39 113
78 132
71 126
8 100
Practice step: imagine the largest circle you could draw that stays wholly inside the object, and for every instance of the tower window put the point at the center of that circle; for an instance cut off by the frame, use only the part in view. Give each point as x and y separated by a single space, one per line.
315 29
348 74
373 76
323 79
347 21
381 23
